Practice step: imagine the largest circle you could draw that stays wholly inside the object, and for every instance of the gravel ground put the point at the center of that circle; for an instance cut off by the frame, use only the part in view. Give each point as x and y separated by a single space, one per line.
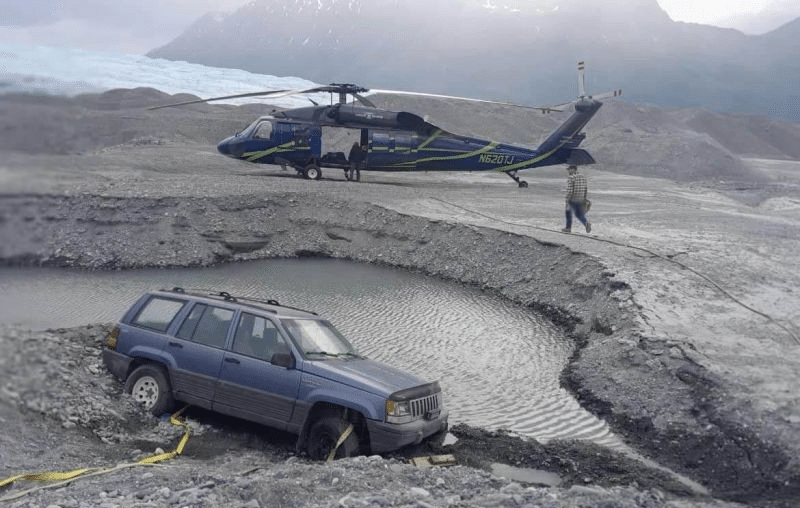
679 368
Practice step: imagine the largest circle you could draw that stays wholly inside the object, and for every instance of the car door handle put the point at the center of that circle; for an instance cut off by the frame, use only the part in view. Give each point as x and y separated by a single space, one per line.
232 360
176 344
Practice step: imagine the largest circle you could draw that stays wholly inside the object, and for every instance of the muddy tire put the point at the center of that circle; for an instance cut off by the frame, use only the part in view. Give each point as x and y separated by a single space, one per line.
324 435
149 386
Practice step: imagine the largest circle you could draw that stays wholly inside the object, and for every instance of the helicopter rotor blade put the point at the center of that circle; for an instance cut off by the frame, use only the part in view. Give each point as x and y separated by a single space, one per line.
224 97
363 100
357 92
468 99
277 94
606 95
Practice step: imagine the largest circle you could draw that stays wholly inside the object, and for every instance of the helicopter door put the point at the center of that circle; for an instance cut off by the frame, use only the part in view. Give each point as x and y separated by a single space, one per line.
285 132
315 141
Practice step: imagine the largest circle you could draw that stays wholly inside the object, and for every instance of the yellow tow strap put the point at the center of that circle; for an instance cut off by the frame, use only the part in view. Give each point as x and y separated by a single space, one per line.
66 476
160 457
342 438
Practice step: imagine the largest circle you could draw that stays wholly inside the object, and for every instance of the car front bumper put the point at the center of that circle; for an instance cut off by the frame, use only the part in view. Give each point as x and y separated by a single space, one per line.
385 437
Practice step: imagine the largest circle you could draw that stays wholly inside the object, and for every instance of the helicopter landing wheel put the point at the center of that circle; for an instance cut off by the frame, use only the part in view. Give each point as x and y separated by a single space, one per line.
522 184
312 172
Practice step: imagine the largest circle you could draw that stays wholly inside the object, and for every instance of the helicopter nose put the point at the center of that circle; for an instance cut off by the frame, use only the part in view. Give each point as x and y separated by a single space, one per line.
224 146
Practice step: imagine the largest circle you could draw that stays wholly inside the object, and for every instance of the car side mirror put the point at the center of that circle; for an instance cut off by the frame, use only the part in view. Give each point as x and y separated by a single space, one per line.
282 360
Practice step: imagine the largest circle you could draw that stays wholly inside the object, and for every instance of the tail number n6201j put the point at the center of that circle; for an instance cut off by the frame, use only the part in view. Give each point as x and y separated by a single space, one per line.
497 159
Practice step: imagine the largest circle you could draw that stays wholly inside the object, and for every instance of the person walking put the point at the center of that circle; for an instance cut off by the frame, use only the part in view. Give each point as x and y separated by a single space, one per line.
576 199
356 158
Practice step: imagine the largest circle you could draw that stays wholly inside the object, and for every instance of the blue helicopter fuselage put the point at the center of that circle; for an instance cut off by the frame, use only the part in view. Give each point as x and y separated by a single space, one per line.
399 141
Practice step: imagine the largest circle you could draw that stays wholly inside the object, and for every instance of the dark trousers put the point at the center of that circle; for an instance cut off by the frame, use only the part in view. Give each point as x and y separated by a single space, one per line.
577 207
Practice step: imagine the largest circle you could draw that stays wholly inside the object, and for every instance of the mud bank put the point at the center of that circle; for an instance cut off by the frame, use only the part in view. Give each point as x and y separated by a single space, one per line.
85 420
652 391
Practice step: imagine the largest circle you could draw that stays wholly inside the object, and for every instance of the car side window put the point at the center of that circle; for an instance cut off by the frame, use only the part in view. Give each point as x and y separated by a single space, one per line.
158 313
190 323
207 325
258 337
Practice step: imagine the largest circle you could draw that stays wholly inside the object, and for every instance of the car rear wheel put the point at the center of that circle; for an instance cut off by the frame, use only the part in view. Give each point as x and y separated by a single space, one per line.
149 386
324 436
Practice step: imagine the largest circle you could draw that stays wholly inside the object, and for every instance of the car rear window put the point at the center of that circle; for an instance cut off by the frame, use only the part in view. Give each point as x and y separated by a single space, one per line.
158 313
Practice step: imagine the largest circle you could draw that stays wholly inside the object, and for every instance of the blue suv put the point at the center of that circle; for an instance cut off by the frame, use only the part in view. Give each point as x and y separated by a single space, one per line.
271 364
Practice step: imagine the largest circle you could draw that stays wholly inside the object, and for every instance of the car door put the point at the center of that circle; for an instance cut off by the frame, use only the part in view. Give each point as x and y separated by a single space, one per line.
249 385
197 350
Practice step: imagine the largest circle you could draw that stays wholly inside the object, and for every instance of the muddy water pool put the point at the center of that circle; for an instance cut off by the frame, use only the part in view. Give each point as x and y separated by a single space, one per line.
498 363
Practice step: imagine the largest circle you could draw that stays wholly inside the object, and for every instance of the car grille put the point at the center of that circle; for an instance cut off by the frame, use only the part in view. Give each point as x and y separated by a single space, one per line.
421 407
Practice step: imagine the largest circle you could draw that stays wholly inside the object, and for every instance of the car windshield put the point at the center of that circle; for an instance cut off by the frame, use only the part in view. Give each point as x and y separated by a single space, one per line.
318 338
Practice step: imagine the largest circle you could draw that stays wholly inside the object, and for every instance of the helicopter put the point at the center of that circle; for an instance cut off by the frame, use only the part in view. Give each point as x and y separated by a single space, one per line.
397 140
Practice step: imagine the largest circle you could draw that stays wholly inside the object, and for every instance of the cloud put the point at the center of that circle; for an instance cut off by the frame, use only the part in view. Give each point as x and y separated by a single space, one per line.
25 13
128 27
85 34
21 13
749 16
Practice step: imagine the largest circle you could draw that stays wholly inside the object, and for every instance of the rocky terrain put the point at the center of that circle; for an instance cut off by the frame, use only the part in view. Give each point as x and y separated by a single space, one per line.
680 301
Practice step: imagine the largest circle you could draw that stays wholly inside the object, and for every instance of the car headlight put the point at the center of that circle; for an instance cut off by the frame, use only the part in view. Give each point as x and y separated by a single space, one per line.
398 411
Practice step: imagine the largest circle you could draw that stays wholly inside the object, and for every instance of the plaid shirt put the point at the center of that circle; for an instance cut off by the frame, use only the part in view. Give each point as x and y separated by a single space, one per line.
576 188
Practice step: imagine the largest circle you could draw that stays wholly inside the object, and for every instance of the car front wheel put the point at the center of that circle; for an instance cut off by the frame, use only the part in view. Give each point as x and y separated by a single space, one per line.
149 386
325 434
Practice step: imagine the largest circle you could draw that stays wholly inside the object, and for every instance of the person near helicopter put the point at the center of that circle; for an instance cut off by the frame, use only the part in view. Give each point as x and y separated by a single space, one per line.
356 159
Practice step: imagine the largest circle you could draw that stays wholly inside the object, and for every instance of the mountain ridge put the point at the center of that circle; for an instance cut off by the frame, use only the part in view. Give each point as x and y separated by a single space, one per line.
514 52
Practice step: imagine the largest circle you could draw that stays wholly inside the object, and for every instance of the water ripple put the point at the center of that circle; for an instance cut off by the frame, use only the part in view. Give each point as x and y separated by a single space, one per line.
498 363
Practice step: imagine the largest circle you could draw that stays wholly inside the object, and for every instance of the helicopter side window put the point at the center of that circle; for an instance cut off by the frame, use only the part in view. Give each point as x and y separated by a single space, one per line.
402 141
263 131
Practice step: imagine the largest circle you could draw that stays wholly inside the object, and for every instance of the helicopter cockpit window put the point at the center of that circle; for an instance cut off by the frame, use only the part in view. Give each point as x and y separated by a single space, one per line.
263 131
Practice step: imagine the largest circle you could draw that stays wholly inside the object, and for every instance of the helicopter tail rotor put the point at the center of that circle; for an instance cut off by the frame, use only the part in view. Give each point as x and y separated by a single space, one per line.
581 80
582 86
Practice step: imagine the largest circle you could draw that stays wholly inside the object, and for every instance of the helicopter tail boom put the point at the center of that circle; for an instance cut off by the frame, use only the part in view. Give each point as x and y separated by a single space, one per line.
568 134
573 157
563 141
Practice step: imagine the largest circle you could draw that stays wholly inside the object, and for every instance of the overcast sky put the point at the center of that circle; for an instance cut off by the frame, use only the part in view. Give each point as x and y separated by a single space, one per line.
141 25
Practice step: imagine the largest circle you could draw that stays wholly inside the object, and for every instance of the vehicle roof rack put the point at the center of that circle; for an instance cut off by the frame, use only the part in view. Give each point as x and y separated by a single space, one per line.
231 298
